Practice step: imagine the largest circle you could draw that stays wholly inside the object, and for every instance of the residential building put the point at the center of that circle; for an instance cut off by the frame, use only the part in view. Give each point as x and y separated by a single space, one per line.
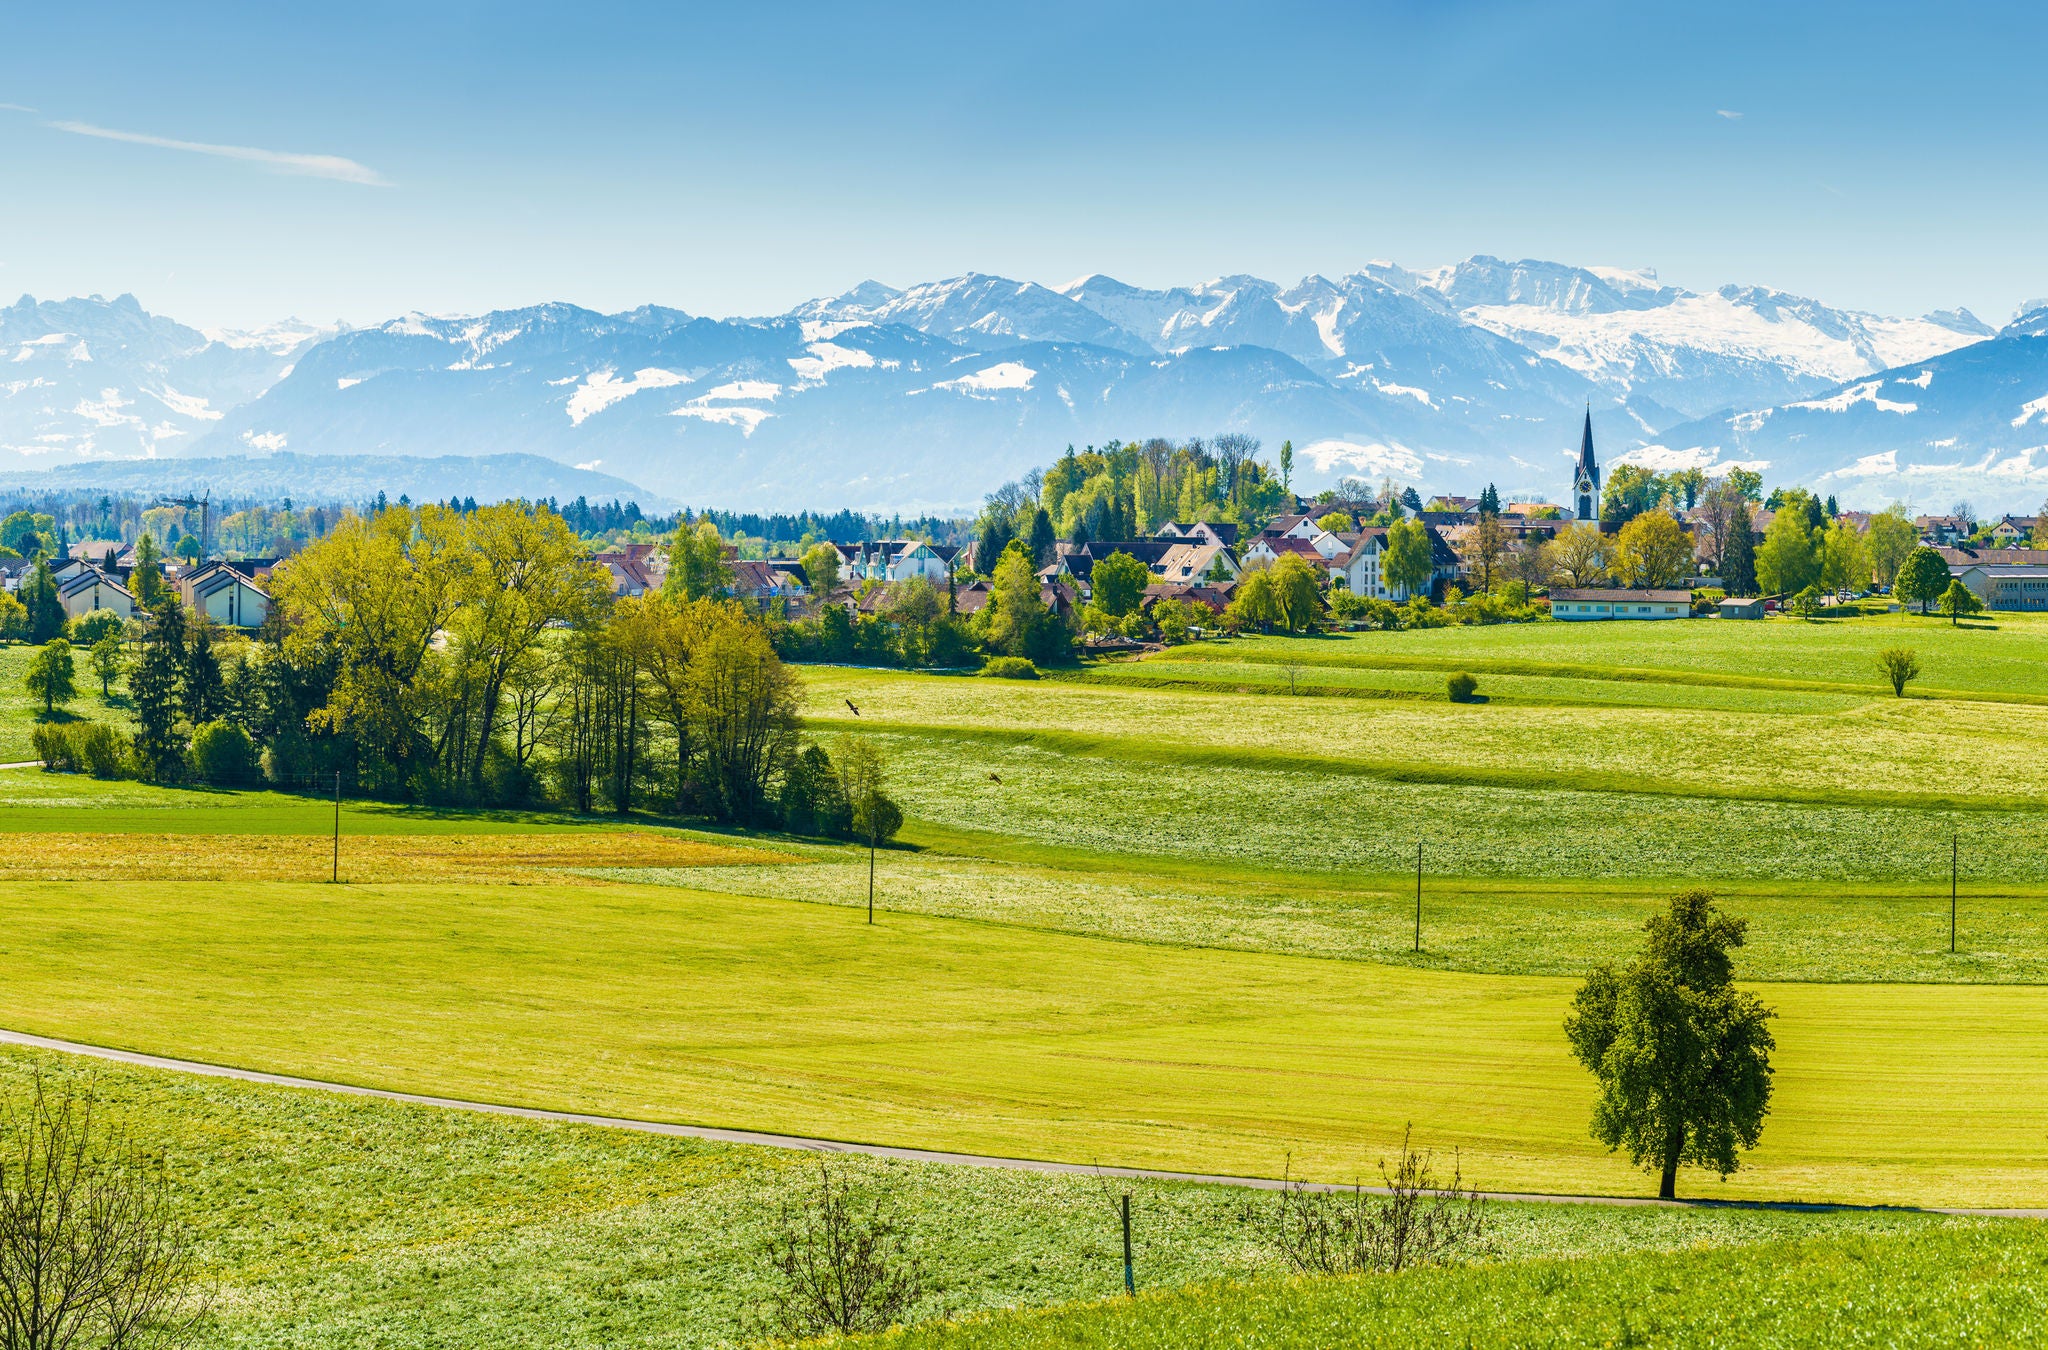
1960 560
1216 532
1359 566
1738 607
896 560
1942 531
629 573
763 582
2014 531
223 593
85 589
1573 606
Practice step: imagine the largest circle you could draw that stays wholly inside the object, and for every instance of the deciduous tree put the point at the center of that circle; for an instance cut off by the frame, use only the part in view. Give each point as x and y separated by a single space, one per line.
1959 600
1922 578
1682 1056
52 676
696 562
821 568
1119 583
1408 563
1900 666
1652 552
1889 540
1578 556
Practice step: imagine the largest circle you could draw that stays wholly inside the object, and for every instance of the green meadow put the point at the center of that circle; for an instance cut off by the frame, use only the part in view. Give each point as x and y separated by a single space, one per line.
1158 913
321 1221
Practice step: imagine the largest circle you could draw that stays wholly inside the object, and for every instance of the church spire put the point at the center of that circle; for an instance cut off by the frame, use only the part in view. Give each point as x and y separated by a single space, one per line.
1586 475
1588 467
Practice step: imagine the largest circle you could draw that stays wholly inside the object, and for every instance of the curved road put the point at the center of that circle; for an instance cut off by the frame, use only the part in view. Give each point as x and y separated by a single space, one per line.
814 1145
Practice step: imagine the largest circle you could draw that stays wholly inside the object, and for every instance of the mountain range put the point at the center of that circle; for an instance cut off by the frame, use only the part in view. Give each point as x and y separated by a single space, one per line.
928 397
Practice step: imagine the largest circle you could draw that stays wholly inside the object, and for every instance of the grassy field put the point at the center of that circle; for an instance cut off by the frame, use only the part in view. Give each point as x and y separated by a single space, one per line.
664 1003
19 713
323 1221
1982 1286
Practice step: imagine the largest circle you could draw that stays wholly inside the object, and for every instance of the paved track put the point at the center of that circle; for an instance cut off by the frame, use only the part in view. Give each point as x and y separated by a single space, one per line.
815 1145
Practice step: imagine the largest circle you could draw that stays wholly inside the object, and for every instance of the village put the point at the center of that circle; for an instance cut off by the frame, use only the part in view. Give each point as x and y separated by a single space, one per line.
1638 547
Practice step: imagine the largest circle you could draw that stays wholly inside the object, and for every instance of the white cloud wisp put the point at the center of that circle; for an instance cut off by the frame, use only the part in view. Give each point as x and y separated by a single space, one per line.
278 161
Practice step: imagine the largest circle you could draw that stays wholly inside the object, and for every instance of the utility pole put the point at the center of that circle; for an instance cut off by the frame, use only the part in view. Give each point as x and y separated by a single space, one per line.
337 827
1418 895
1130 1279
871 863
1954 858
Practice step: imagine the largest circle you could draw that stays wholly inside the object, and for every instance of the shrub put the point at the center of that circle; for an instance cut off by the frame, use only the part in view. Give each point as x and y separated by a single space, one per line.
88 629
842 1269
80 747
1009 668
1461 687
222 755
1417 1221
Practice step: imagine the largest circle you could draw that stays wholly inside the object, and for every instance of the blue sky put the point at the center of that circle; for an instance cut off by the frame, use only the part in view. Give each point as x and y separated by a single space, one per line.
734 159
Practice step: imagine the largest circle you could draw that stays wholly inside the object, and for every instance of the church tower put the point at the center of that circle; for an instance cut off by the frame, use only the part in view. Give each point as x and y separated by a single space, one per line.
1586 477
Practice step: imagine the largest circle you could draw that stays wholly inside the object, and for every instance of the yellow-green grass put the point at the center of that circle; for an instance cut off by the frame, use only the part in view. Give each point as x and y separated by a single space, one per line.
322 1221
1879 751
669 1004
1980 1286
1142 801
1868 932
19 712
1999 654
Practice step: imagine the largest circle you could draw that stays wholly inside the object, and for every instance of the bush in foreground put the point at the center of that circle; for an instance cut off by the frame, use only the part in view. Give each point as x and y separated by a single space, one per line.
1461 687
1009 668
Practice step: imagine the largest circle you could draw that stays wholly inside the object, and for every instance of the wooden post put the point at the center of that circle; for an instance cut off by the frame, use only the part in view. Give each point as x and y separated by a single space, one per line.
336 879
1954 856
1130 1279
871 864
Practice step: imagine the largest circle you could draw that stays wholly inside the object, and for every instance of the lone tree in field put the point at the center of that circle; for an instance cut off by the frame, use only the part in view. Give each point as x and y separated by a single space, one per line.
1899 665
52 676
1683 1056
1957 601
1922 577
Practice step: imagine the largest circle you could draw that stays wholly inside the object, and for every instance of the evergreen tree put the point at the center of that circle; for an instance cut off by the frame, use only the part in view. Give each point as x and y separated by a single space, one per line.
1042 539
200 686
153 688
1411 499
1738 561
148 578
1489 501
45 610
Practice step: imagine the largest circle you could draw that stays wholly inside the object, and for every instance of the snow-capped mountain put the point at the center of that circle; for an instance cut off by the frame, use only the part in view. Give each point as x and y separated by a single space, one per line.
929 396
1737 347
88 378
1969 423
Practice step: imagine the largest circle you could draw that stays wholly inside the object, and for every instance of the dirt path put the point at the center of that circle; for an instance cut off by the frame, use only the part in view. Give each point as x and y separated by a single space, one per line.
814 1145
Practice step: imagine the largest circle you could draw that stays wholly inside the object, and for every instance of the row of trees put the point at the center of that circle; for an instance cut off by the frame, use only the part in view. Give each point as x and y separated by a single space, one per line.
446 654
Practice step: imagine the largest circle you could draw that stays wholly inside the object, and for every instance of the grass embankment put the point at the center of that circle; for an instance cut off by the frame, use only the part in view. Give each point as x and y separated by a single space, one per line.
661 1003
323 1221
1974 1286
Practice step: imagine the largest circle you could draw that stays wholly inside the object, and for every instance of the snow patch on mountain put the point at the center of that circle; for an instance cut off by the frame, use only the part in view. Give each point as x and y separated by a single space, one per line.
2029 411
1861 393
602 389
1005 375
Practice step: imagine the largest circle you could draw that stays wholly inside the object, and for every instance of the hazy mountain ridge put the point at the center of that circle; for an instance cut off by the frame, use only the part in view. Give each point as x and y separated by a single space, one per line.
926 397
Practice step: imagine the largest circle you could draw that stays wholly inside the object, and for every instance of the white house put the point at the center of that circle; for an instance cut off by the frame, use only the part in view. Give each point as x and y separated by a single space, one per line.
84 589
225 595
1574 606
1359 566
896 560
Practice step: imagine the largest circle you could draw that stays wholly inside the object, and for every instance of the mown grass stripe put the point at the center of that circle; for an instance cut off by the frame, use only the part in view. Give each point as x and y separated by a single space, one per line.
1135 750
